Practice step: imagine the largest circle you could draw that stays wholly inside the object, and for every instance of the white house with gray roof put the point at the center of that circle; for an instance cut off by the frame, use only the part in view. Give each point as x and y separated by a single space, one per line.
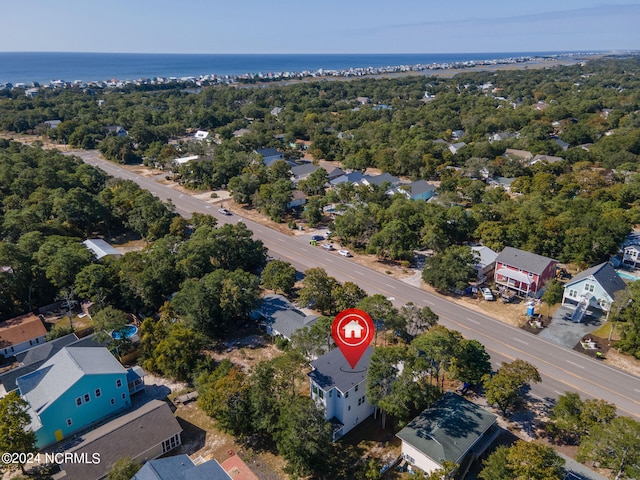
340 390
595 287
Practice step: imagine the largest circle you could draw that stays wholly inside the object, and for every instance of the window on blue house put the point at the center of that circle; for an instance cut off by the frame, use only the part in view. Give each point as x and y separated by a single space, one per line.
87 398
98 393
78 401
118 382
69 422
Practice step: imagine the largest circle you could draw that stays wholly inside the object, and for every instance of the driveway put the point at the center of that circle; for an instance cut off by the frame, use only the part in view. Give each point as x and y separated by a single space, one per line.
567 333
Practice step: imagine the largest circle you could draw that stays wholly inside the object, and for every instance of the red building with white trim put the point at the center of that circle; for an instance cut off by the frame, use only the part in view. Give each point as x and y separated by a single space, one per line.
524 272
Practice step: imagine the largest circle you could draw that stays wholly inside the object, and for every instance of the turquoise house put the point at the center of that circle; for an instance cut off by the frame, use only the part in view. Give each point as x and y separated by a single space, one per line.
73 390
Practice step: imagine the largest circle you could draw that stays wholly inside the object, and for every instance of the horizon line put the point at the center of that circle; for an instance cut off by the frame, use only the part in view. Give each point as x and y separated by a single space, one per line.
328 53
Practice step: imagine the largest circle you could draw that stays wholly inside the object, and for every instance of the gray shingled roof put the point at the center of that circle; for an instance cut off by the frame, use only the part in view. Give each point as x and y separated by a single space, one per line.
605 275
33 358
332 370
304 169
530 262
131 435
180 467
380 179
447 429
421 186
268 152
282 316
64 369
45 350
352 177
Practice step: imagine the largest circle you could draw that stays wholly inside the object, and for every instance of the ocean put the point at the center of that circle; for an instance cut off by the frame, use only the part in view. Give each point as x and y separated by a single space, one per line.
43 67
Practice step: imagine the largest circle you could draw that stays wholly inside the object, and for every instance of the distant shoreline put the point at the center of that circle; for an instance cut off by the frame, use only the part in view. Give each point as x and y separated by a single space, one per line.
266 69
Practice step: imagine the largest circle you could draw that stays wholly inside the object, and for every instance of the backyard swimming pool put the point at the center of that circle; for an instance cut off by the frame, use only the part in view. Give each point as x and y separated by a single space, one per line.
626 276
127 332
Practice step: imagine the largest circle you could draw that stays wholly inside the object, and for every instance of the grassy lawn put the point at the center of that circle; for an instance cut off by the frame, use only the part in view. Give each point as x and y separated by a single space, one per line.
605 329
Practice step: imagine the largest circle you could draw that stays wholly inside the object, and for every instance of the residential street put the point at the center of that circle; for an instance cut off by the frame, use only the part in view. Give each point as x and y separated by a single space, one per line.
561 369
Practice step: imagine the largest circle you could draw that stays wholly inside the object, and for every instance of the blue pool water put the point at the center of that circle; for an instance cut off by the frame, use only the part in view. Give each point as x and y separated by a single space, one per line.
626 276
128 331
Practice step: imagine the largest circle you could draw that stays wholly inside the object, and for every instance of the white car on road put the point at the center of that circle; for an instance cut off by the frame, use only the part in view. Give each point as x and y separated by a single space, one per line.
224 211
327 246
344 253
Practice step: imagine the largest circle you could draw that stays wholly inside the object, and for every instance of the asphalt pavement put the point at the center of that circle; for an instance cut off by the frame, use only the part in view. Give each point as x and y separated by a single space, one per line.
561 369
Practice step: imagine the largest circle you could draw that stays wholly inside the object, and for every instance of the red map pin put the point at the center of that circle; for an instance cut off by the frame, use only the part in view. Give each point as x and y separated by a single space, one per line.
352 330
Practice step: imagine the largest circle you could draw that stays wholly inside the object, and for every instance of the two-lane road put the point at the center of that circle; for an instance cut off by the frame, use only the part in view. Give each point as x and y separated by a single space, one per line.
561 369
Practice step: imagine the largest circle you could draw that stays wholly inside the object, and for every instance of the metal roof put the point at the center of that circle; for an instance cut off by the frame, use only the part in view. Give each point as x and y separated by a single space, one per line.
55 376
100 248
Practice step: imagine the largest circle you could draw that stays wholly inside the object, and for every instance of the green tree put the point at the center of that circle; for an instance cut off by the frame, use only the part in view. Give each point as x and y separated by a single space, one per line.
95 283
382 312
14 434
273 198
315 340
435 352
279 275
418 320
572 419
62 258
614 445
179 354
123 469
381 374
523 460
318 288
503 388
216 303
348 295
312 212
315 183
452 269
224 396
394 242
470 363
552 294
109 320
303 437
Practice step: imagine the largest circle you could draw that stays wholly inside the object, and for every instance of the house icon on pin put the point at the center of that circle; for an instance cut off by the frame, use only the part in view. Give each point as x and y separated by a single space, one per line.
353 330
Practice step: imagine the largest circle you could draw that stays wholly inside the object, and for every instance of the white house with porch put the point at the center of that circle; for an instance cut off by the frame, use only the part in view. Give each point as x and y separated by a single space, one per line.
341 390
595 287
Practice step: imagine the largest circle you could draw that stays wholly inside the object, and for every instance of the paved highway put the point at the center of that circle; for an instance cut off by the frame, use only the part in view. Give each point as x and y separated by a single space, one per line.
561 369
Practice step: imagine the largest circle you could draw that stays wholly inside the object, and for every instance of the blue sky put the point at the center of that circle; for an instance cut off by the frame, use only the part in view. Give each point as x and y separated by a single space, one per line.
328 26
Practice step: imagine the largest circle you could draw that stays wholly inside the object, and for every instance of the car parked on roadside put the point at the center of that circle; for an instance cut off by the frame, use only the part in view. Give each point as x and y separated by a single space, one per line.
487 294
317 238
344 253
327 246
224 211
